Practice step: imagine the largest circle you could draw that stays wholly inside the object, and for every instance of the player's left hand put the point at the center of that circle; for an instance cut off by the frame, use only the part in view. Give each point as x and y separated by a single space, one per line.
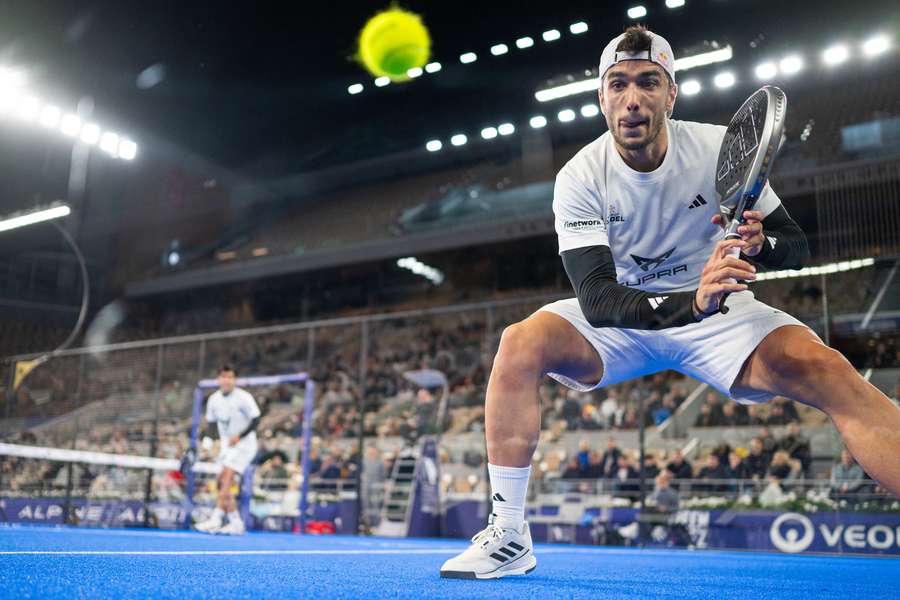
233 440
751 231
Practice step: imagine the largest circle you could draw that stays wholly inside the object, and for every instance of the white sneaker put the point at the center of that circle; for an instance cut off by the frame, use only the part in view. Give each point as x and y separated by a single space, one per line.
234 527
495 552
211 525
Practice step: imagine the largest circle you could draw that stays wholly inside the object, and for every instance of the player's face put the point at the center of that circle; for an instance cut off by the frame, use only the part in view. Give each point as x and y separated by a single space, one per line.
636 96
226 381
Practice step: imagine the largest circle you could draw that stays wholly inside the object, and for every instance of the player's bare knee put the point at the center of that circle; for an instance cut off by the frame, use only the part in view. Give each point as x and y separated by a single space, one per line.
808 371
520 351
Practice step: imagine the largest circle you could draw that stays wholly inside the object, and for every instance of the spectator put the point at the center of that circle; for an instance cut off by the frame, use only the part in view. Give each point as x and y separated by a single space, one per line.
273 472
665 410
611 458
846 476
788 408
797 446
768 441
573 469
625 478
583 456
571 410
781 467
650 469
679 467
330 469
734 417
706 418
754 415
757 462
663 496
595 466
776 415
609 408
713 472
737 471
372 478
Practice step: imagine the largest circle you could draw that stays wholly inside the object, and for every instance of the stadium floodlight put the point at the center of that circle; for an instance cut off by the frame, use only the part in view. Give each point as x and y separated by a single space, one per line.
25 218
499 49
551 35
415 72
566 115
12 78
637 12
568 89
70 125
876 45
127 149
382 81
724 80
524 42
28 108
589 111
674 3
459 139
766 70
468 58
90 133
538 121
704 58
578 28
109 143
489 133
506 129
690 87
413 264
354 89
50 116
433 67
791 64
835 55
434 145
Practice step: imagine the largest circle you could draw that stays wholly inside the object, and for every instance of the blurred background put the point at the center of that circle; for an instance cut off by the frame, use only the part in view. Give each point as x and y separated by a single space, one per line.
242 191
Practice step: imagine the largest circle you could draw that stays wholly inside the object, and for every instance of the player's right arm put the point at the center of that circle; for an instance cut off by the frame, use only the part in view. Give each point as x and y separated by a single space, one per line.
588 260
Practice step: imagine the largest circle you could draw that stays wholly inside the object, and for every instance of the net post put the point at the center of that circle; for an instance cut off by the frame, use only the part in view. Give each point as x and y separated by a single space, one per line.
307 439
195 427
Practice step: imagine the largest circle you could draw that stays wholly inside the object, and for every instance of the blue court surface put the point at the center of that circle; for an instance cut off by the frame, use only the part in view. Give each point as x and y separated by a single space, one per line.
47 562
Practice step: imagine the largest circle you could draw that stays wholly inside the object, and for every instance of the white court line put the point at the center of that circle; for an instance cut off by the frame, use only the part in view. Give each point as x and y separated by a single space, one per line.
217 552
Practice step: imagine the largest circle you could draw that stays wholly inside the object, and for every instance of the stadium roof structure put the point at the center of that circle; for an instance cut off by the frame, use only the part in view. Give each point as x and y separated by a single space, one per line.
264 92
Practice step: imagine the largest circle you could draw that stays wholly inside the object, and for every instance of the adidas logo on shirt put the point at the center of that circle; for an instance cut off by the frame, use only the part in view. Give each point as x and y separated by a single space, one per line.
772 241
698 201
655 302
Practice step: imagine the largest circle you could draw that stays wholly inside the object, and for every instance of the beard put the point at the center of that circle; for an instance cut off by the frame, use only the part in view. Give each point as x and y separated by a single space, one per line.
654 127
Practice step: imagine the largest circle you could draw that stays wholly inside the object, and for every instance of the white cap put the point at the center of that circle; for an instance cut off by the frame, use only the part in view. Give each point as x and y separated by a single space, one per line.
660 52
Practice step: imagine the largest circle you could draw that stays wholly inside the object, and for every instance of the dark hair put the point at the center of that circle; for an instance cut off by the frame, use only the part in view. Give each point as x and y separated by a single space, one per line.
636 40
226 368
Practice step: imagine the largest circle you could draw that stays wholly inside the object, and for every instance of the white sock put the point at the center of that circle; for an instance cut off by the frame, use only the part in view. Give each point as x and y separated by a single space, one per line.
508 488
218 513
234 517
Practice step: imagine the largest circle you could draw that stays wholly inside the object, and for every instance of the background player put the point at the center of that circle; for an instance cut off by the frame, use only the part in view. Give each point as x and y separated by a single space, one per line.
236 415
650 270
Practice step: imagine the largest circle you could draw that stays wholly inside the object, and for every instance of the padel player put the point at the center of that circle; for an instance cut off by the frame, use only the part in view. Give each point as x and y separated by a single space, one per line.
640 237
236 416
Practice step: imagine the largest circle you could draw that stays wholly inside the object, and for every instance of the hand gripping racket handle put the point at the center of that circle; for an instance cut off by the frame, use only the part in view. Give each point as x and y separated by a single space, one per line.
730 234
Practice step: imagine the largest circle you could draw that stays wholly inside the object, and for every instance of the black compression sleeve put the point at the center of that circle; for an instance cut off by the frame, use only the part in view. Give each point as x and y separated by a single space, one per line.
605 303
210 430
785 244
251 426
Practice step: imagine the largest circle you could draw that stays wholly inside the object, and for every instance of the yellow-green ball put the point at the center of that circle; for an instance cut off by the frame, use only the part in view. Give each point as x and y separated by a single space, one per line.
393 42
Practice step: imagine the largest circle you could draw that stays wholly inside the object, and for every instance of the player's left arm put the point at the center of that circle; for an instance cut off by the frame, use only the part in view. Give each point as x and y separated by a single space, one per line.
773 238
251 410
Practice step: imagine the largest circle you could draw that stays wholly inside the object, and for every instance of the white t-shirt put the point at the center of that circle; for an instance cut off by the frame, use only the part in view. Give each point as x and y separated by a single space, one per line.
232 413
657 224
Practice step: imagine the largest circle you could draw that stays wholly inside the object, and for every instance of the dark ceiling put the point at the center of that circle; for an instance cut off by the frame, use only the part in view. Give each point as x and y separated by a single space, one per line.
261 88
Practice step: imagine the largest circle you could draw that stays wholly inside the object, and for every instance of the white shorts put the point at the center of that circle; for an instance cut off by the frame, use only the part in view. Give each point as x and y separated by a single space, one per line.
713 350
238 457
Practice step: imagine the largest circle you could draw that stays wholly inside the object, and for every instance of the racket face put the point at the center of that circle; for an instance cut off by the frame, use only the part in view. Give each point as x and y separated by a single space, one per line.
740 144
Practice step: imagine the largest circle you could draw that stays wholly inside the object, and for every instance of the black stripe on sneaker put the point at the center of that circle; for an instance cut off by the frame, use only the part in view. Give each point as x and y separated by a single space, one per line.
507 552
516 546
499 557
498 498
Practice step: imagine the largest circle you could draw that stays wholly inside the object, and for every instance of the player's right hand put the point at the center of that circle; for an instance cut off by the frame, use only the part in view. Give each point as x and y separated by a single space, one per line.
720 275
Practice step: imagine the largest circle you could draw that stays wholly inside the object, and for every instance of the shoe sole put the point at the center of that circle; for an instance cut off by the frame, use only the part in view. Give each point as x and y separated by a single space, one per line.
496 574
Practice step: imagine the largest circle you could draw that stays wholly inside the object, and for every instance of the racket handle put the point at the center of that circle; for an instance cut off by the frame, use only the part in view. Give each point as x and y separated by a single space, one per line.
734 253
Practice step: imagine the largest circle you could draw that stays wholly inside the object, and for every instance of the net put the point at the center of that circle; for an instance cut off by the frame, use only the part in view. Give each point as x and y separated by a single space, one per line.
97 489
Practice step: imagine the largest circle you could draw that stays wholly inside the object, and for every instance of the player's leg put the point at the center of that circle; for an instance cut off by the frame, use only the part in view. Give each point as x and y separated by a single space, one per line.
791 361
542 343
229 476
217 518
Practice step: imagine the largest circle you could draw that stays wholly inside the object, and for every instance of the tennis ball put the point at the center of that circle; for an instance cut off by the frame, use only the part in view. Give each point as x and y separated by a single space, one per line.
393 42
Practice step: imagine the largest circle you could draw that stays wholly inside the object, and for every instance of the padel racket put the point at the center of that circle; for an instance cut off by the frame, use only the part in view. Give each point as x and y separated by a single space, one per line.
746 156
